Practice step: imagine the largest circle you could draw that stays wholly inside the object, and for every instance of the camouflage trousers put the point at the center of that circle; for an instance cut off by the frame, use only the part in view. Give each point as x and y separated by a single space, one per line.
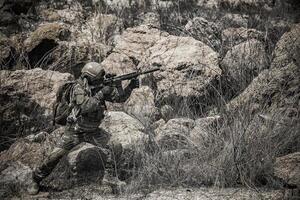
68 141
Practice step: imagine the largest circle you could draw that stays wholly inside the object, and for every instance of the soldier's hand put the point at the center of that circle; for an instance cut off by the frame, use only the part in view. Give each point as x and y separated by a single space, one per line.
135 83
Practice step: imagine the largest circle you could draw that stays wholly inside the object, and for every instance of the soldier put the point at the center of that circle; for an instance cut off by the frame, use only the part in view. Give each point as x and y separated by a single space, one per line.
87 97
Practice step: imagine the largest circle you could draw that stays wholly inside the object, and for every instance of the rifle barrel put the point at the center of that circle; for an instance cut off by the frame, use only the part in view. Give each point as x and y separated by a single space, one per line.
128 76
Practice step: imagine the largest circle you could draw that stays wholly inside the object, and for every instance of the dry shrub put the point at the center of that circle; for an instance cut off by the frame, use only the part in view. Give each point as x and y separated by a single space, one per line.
240 152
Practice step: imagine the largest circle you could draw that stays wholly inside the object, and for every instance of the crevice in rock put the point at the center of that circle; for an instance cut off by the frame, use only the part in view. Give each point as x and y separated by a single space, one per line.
40 55
21 8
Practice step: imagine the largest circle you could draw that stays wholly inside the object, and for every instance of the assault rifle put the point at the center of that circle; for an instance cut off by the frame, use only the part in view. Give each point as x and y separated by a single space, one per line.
111 79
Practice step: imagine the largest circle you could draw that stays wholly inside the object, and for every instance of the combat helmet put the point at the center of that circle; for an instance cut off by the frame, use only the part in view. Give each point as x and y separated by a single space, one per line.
92 70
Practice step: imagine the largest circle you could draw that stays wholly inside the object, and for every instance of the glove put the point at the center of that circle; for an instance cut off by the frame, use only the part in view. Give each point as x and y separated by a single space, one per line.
134 83
106 90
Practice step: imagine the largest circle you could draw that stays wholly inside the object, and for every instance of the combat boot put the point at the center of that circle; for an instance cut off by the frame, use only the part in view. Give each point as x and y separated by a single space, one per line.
34 183
33 186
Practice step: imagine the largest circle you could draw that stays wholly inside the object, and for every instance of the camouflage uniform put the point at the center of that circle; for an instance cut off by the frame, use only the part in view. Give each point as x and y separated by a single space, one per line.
83 123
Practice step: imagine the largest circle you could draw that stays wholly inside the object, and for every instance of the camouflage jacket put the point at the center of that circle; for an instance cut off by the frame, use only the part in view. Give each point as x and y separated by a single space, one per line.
88 110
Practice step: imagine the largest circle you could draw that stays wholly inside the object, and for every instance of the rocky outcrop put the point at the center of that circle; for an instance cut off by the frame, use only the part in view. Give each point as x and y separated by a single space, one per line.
14 180
142 106
174 134
205 31
127 141
40 85
185 133
190 67
124 129
287 49
244 62
288 169
27 95
273 90
83 164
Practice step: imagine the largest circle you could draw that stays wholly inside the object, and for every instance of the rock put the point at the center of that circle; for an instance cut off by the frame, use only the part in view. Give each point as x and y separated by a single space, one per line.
84 164
130 48
205 31
101 28
204 132
142 106
244 62
174 134
31 154
49 31
27 95
40 44
124 129
190 67
128 140
187 134
234 21
158 124
275 91
235 36
287 48
190 71
288 169
39 85
14 180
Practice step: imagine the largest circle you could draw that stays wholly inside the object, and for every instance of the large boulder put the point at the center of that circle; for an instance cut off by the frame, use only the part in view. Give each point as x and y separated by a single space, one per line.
244 62
205 31
66 48
40 44
127 141
187 134
141 105
288 169
124 130
14 180
275 91
39 85
26 102
174 134
190 67
287 48
84 164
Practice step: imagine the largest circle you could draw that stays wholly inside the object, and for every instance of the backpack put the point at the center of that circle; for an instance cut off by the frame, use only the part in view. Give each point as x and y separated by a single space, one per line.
62 107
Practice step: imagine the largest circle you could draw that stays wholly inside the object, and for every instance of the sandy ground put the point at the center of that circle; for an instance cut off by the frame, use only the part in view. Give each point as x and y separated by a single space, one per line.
96 193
